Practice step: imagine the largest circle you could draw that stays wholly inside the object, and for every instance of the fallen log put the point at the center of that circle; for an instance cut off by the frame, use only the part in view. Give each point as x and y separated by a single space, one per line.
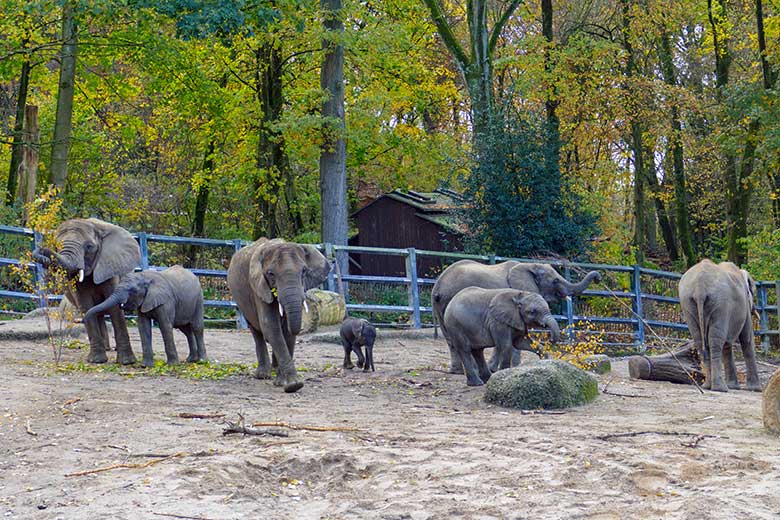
771 398
681 366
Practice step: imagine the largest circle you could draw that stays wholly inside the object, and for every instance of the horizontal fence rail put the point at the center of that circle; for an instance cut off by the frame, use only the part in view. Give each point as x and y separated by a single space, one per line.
640 305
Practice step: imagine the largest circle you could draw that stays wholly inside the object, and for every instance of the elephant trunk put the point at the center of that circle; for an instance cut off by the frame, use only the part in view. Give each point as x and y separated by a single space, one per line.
580 287
71 258
113 300
291 303
550 323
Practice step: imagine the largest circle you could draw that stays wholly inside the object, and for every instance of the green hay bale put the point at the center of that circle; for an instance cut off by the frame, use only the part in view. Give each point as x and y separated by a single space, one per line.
549 384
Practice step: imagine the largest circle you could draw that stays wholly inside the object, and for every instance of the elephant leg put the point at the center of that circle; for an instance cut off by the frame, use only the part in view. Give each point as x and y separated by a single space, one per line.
97 347
145 331
347 355
456 364
479 357
502 354
261 350
361 361
716 363
287 375
191 343
124 353
197 330
101 321
730 367
166 328
471 368
753 383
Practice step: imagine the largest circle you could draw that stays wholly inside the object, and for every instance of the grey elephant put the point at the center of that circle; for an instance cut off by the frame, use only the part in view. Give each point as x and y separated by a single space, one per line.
173 298
267 279
538 278
479 318
718 302
356 333
95 254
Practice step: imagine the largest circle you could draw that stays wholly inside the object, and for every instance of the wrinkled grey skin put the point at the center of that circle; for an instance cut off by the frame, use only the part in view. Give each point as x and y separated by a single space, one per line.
538 278
479 318
717 303
173 298
267 280
356 333
95 254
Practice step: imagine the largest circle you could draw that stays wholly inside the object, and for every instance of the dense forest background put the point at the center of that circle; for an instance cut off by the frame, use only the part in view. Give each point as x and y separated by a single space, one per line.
626 130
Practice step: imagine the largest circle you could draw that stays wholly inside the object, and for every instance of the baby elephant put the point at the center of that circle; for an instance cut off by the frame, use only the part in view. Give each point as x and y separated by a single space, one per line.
479 318
173 298
355 333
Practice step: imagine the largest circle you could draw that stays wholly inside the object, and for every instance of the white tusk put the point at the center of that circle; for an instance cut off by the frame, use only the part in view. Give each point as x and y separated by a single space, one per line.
568 298
281 310
81 275
306 307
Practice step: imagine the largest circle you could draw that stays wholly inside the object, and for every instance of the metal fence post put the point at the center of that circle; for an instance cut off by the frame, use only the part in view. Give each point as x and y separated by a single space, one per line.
414 289
763 322
569 303
241 320
38 276
636 288
144 244
331 256
492 258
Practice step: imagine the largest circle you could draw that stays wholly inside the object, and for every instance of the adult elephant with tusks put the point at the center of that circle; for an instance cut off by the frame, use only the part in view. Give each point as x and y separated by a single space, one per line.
268 279
542 279
95 254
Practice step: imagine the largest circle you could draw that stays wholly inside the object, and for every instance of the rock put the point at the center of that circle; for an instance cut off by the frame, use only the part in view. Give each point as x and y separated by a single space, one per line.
325 308
549 384
65 308
771 398
598 363
37 328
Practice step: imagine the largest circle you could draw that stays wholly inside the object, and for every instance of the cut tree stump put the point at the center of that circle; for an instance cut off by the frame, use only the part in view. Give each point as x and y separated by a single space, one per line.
771 398
666 368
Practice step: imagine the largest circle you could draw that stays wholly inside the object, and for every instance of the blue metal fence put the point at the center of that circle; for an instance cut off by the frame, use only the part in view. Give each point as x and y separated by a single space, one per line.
646 298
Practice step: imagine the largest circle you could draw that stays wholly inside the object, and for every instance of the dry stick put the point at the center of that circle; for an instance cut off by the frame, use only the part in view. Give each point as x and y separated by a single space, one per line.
647 325
310 428
542 412
124 465
173 515
186 415
248 430
653 432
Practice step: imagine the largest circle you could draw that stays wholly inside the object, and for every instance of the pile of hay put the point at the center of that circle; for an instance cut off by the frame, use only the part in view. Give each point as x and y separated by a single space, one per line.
549 384
325 308
771 400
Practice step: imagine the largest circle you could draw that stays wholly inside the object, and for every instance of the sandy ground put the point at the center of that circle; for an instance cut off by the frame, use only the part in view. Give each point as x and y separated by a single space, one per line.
426 445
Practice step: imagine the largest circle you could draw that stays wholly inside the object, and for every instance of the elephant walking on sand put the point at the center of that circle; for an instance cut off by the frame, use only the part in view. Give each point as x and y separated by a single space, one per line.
95 254
173 298
537 278
717 303
268 279
479 318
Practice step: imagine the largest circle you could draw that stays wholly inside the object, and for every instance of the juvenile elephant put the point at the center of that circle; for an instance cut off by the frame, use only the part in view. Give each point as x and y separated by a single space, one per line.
478 318
356 333
173 298
537 278
267 279
95 254
717 303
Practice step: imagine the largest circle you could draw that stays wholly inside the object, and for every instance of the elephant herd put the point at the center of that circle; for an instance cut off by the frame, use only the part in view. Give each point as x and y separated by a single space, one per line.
477 306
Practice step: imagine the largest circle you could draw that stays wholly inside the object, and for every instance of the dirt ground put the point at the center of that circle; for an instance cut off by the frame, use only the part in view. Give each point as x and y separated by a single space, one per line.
425 445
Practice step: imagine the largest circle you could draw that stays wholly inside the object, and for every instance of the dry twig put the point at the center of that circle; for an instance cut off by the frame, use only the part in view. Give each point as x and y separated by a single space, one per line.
542 412
124 465
186 415
653 432
309 428
240 427
174 515
29 430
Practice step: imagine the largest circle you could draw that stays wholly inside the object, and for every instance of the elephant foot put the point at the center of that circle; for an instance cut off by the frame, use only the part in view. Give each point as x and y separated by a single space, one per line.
97 356
348 366
475 382
293 386
360 364
454 369
719 387
147 363
733 385
125 357
173 360
262 373
753 387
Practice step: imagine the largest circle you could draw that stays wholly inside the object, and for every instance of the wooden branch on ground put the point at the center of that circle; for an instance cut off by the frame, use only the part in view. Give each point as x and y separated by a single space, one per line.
680 366
542 412
125 465
653 432
186 415
618 394
29 429
174 515
309 428
248 430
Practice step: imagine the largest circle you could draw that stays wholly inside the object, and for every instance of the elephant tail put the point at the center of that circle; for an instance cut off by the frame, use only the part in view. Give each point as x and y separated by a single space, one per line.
703 327
435 327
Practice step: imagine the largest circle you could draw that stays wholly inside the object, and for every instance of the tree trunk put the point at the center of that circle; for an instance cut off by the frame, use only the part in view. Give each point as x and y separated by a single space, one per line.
29 166
333 175
667 367
17 145
202 202
63 122
479 72
553 152
675 145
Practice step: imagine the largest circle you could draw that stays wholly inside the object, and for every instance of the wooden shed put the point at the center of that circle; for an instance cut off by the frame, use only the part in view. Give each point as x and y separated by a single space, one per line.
403 219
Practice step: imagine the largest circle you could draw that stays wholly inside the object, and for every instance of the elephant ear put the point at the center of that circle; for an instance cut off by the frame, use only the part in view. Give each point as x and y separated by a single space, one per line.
504 308
524 277
317 265
157 293
119 252
257 273
357 328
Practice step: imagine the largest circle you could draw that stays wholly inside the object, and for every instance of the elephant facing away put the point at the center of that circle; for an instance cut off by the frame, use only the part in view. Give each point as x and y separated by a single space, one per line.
268 279
173 298
717 303
95 254
542 279
479 318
